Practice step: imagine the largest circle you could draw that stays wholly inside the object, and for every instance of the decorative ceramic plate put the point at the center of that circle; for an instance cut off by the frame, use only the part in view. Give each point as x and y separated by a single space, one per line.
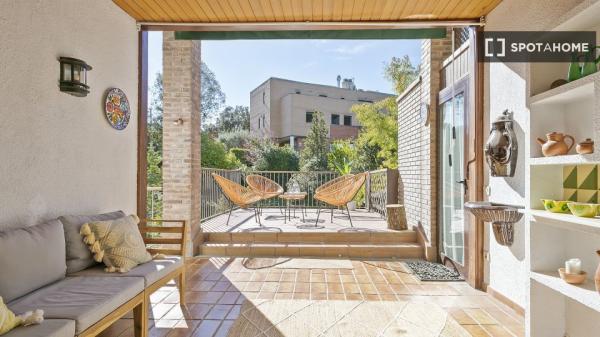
117 108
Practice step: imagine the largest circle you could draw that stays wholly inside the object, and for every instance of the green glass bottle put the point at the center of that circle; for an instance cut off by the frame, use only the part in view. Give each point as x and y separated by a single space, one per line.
574 69
589 66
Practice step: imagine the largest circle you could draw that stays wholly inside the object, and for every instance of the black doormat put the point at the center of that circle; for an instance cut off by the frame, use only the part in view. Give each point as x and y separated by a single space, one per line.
429 271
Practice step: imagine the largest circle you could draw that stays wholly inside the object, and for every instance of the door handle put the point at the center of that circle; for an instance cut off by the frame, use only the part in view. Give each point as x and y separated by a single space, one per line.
464 182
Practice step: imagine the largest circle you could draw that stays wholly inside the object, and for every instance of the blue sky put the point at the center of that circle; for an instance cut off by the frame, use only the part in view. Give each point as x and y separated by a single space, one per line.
241 66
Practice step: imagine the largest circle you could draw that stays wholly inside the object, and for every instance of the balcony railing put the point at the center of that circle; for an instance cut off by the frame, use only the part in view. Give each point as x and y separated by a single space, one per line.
381 189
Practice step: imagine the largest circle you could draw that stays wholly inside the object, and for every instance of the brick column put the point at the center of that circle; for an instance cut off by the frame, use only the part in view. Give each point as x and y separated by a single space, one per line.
181 141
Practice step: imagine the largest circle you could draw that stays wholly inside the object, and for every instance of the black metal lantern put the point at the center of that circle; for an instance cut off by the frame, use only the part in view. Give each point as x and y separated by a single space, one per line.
73 76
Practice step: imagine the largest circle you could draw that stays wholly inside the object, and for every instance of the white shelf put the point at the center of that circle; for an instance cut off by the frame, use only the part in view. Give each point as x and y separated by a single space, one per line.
585 293
569 159
566 221
569 92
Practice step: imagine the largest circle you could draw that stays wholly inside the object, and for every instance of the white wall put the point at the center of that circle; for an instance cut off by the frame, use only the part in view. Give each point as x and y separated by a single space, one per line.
506 87
58 154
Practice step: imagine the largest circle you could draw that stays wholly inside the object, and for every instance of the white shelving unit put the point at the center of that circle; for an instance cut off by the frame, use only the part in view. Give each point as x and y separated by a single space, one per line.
555 307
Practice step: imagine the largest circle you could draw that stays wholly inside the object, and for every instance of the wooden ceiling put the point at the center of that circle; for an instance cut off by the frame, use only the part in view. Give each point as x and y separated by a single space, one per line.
251 11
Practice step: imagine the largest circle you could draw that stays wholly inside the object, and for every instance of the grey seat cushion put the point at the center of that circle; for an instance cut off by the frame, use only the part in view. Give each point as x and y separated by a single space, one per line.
48 328
79 256
151 271
30 258
86 300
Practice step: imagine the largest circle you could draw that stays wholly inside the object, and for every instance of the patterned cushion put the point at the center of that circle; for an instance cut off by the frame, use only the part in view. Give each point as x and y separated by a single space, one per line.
118 243
8 320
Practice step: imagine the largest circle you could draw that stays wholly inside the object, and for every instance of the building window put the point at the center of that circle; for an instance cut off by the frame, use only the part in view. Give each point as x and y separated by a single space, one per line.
259 122
309 116
335 119
264 95
298 92
348 120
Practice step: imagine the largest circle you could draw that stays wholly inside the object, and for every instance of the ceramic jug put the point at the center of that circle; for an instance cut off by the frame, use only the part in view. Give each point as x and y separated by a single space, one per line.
501 148
555 145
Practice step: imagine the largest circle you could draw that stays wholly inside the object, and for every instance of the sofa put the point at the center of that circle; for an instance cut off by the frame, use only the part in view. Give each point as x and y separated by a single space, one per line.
48 267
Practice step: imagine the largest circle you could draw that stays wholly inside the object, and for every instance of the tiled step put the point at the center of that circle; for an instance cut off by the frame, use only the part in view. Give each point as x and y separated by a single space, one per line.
374 238
344 250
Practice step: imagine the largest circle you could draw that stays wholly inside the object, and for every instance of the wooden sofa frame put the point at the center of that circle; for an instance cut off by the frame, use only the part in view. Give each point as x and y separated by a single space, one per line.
139 304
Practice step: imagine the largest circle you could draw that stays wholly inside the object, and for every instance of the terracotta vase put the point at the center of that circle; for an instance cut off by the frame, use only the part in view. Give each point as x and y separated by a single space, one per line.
555 144
597 276
585 147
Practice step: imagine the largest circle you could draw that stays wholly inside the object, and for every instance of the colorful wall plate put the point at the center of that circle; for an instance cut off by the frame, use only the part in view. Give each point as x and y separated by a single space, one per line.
116 108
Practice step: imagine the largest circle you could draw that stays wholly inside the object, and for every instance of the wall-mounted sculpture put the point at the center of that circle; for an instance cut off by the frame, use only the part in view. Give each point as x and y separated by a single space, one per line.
501 148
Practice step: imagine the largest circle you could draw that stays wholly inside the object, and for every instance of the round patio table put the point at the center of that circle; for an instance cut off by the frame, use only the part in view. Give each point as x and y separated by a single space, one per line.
292 200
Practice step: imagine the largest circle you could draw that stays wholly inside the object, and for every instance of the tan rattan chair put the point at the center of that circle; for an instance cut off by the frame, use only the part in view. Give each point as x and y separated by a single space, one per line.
340 193
238 195
326 185
265 187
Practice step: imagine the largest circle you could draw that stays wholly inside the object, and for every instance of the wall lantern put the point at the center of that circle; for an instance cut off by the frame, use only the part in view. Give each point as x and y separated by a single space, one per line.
73 76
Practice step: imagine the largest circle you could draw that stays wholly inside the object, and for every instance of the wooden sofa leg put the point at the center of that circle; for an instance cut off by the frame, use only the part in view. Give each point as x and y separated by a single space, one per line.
182 287
140 318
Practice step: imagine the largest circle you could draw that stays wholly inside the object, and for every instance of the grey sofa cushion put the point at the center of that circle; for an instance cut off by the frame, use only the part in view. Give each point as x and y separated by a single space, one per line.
79 256
30 258
86 300
48 328
151 271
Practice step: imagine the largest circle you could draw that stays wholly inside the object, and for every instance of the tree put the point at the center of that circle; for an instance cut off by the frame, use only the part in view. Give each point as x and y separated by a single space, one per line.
342 157
234 118
154 133
268 156
211 95
379 122
401 72
313 156
214 154
236 138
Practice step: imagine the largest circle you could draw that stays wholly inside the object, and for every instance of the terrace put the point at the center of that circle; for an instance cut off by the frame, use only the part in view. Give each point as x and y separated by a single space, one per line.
87 243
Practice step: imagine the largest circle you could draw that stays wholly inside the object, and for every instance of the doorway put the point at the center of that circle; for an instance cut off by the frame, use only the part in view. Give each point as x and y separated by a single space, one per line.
453 182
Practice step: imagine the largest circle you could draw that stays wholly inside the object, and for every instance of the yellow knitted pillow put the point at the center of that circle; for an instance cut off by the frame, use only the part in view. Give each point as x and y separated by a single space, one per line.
9 321
118 243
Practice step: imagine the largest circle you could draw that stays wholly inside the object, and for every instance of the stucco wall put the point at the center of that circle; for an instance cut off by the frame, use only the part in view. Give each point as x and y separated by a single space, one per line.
506 88
58 154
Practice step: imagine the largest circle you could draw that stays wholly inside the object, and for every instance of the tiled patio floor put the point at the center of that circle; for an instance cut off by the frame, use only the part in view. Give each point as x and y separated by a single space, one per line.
296 302
242 219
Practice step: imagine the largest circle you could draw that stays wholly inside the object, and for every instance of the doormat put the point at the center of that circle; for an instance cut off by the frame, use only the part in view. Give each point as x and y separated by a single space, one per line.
429 271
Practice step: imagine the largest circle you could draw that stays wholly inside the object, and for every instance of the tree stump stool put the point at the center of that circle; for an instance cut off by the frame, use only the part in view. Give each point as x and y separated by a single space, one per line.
396 217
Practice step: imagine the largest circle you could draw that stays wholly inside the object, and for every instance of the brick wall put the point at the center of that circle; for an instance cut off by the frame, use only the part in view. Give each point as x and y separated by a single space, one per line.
417 143
181 143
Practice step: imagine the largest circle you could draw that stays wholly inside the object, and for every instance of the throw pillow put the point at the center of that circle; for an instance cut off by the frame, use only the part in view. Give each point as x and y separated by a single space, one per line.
9 321
117 243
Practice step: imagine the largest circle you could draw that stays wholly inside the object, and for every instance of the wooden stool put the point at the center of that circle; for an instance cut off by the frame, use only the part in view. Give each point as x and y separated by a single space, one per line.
396 217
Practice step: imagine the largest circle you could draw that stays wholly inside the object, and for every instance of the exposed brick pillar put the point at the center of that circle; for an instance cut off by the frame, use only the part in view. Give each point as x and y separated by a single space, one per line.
417 143
181 141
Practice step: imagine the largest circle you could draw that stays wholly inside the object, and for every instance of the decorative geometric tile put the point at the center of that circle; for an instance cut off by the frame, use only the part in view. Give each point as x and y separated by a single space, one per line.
570 176
581 183
587 177
570 194
587 196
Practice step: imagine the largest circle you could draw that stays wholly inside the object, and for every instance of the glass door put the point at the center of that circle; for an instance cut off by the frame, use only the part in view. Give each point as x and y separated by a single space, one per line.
453 183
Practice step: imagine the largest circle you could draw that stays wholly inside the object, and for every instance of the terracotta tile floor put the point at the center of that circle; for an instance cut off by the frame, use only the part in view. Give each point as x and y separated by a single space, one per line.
217 289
